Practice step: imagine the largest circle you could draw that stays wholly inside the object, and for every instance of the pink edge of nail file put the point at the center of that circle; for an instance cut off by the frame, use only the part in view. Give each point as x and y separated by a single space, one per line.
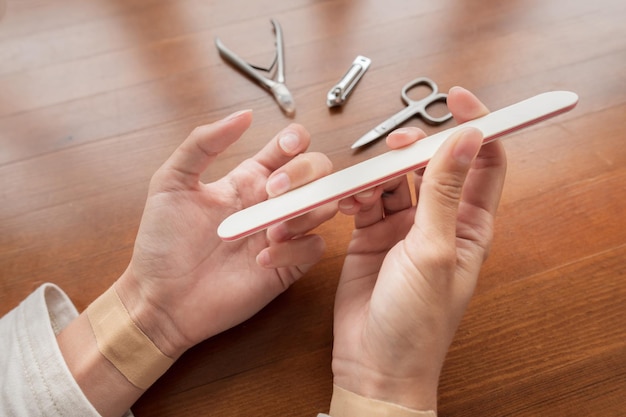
392 164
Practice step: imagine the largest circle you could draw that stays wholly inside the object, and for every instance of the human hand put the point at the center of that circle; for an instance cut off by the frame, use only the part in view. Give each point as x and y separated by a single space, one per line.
183 283
410 271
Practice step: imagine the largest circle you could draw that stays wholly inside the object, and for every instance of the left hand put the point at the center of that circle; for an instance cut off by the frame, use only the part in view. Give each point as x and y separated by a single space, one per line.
184 284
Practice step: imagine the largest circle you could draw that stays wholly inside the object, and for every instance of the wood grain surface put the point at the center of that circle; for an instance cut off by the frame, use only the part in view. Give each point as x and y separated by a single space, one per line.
95 94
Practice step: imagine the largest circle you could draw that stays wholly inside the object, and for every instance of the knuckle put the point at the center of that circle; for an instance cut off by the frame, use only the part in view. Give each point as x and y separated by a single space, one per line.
325 164
199 131
319 162
312 165
441 258
486 252
446 188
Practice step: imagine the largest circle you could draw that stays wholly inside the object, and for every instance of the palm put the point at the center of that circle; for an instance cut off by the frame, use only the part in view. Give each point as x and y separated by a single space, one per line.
403 290
387 265
210 275
183 283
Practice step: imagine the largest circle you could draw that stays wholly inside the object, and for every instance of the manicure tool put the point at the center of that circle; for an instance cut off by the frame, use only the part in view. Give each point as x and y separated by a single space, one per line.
414 107
389 165
276 86
340 91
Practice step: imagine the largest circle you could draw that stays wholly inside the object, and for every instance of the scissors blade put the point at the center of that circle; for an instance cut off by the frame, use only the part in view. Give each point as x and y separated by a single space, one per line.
370 136
388 125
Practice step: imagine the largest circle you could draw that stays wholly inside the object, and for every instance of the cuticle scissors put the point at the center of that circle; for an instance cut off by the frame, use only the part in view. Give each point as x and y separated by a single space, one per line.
276 86
413 108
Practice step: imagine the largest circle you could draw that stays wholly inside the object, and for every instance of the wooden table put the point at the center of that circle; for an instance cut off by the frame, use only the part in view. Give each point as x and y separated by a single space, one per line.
94 95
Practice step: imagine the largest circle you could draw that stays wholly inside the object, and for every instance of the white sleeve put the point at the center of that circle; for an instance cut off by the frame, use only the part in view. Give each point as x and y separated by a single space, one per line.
34 379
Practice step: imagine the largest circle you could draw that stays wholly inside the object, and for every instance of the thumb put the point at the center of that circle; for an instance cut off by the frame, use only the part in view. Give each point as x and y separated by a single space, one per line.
441 188
202 146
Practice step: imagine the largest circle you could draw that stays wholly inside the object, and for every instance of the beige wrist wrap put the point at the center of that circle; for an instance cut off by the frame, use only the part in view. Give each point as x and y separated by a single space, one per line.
348 404
123 343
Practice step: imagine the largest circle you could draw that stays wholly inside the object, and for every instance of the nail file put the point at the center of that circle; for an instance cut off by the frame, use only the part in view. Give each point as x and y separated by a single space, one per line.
389 165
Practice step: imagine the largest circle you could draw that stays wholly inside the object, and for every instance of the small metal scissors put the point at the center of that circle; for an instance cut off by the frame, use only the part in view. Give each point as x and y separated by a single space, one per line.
414 107
276 86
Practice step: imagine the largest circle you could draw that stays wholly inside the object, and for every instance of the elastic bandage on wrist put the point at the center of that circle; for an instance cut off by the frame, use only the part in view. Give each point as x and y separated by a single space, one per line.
123 343
345 403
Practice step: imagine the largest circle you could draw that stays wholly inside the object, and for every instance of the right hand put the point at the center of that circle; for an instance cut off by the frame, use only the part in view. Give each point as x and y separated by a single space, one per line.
410 270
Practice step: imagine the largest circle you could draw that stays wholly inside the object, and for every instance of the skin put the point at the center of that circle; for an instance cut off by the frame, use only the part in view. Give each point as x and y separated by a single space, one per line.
410 270
408 275
183 284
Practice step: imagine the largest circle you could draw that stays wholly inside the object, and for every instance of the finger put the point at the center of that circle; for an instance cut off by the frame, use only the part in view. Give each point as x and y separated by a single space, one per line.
485 180
302 169
442 186
481 196
354 203
380 201
464 105
349 206
301 252
395 140
404 137
417 181
203 145
396 196
302 224
370 207
288 143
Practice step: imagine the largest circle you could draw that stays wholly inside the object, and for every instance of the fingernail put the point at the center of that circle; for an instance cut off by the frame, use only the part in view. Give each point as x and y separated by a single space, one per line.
403 131
288 142
456 88
236 115
278 184
365 194
466 146
263 259
278 233
346 204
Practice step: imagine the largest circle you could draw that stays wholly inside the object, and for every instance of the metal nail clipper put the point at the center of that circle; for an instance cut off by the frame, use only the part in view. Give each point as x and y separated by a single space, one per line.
340 91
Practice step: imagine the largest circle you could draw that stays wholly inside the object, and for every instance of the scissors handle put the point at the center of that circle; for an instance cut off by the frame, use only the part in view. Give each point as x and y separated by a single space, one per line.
413 108
421 106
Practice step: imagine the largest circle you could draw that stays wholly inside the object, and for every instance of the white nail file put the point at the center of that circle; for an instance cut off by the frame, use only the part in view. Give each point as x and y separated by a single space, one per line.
389 165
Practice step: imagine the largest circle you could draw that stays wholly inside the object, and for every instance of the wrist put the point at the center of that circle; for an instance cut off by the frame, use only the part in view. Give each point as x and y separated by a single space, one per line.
149 316
417 391
346 403
101 382
123 343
